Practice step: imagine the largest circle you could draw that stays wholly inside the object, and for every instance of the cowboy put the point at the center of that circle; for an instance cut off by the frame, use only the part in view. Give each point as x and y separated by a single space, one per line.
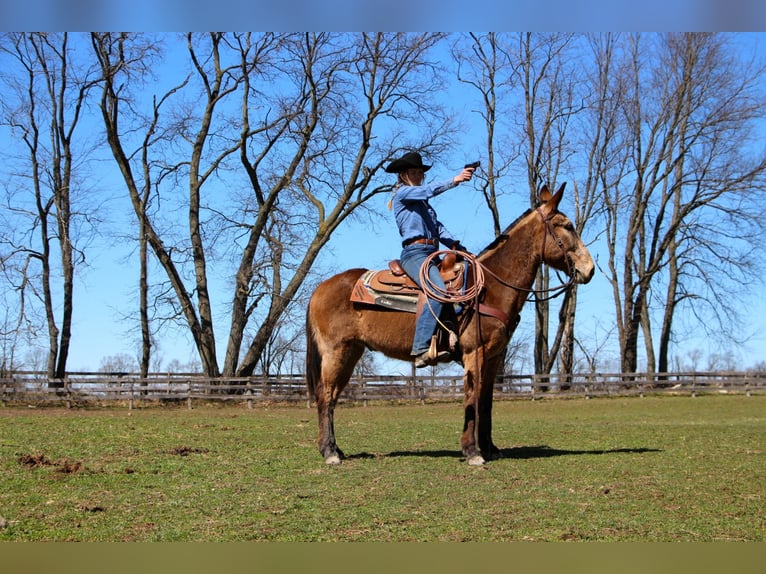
421 233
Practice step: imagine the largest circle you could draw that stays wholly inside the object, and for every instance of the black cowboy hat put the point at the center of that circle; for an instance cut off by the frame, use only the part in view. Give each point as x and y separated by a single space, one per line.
407 161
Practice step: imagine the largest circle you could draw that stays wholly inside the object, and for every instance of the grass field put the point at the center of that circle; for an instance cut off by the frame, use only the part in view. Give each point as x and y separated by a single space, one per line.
621 469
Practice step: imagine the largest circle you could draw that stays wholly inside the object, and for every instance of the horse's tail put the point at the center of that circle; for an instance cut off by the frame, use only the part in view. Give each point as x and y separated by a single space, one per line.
313 358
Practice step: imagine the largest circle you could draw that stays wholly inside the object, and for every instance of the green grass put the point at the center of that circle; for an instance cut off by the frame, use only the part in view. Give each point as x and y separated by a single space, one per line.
632 469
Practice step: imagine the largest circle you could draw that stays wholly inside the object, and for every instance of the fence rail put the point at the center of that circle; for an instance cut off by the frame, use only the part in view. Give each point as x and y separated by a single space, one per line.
82 388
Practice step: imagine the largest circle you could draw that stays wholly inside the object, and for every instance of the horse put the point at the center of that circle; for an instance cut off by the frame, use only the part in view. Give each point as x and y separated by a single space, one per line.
338 330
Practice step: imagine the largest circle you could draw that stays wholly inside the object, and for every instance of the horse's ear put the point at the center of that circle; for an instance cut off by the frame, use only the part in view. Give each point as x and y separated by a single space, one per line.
553 200
556 198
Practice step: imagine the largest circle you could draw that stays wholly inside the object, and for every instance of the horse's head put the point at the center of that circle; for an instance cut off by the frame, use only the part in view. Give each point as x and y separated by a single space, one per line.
562 247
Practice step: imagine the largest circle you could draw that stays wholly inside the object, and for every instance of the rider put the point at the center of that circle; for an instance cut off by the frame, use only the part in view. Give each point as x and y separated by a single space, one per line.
421 233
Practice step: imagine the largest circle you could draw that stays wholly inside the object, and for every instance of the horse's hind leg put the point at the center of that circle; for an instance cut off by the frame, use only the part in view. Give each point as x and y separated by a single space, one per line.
328 448
336 372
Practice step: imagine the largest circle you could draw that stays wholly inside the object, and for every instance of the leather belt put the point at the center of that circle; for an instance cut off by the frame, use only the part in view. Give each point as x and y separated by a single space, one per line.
423 240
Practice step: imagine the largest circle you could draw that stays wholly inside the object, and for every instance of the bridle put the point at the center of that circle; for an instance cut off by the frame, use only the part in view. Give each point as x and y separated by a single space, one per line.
551 292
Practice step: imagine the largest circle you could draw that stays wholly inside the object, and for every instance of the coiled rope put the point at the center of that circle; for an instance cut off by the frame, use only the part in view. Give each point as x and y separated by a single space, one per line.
444 296
437 293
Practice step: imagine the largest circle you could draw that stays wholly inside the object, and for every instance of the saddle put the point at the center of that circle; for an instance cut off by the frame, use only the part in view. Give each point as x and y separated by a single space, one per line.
394 289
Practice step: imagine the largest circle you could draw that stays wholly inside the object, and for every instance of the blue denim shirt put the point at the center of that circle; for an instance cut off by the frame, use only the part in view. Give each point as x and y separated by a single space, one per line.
414 215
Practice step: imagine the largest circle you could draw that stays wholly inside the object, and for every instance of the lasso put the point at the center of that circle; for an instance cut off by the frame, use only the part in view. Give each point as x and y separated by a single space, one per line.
435 292
444 296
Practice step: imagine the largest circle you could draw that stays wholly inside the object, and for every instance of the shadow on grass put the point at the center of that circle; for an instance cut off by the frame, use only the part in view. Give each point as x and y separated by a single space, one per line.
519 452
544 451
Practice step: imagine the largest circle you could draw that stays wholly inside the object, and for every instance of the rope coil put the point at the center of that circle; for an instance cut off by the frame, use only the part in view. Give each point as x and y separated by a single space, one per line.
435 292
444 296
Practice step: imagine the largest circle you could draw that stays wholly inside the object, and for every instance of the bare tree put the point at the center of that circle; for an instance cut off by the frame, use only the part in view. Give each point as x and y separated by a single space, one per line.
534 69
121 363
12 326
688 108
292 119
349 84
50 91
485 65
544 73
125 62
547 76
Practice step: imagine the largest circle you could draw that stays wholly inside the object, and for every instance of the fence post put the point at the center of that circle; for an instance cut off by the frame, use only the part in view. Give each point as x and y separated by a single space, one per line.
68 390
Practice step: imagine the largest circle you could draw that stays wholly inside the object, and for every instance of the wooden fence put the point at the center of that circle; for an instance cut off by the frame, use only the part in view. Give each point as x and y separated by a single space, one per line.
28 387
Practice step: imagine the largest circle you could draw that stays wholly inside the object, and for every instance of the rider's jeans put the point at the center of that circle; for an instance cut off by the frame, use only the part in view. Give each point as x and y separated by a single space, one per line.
412 259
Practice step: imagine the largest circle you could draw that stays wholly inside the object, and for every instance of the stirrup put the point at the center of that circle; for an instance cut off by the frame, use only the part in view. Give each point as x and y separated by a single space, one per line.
431 356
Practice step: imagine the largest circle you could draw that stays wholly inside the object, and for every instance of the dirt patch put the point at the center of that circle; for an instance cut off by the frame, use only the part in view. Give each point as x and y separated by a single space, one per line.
39 460
187 450
34 460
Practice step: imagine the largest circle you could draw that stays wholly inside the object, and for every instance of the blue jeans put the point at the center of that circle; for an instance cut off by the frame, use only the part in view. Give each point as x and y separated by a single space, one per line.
412 259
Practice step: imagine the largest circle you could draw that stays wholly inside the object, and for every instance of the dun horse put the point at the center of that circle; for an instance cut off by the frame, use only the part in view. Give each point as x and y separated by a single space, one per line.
338 330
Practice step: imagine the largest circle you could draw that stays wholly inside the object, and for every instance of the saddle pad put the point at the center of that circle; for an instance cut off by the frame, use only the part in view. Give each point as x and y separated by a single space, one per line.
403 299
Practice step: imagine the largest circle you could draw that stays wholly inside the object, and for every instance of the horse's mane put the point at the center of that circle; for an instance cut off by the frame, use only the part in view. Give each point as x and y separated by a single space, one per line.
504 235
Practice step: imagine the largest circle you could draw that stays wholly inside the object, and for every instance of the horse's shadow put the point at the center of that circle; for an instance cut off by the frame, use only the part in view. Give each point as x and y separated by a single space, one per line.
517 453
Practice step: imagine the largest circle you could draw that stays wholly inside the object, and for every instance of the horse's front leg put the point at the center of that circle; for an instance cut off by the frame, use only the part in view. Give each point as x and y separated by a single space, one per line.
476 440
471 388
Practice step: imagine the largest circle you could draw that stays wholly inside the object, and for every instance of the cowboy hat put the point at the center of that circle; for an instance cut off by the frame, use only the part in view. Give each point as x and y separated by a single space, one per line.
409 160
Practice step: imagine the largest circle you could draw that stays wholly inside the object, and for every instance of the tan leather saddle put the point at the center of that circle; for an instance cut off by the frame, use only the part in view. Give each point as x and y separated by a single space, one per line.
394 289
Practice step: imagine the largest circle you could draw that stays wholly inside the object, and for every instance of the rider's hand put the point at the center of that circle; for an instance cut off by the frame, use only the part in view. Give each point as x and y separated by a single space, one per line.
464 175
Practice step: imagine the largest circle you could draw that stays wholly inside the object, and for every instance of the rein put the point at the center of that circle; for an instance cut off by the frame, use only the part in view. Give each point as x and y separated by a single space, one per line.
552 292
473 293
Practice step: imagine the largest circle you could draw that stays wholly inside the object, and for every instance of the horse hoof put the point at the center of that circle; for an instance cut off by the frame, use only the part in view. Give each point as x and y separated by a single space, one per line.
332 459
476 460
